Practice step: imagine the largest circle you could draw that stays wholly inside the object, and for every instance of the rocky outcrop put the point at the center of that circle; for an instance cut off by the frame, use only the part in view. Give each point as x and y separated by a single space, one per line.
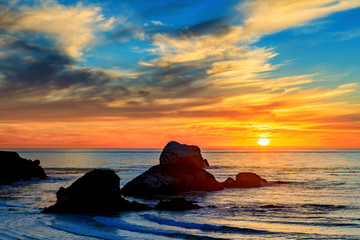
15 168
176 153
170 179
96 191
176 204
245 180
180 170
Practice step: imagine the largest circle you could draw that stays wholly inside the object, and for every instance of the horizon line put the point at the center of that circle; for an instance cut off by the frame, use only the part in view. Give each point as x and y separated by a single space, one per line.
206 147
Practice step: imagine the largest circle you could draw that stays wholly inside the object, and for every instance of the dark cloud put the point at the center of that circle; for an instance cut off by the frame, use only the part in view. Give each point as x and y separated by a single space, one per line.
34 70
39 82
126 34
218 26
31 73
92 109
178 79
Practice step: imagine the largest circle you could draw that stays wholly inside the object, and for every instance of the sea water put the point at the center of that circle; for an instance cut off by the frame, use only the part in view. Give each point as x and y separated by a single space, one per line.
320 200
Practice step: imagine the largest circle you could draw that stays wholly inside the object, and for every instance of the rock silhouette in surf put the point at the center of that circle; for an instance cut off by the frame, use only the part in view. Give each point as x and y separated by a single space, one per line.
15 168
96 191
180 170
245 180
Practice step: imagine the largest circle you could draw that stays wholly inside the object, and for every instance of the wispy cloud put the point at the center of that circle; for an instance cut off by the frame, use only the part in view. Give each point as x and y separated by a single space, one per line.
347 35
269 16
72 28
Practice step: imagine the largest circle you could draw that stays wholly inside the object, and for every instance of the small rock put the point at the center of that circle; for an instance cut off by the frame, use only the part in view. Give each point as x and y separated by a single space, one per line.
272 206
229 183
248 179
245 180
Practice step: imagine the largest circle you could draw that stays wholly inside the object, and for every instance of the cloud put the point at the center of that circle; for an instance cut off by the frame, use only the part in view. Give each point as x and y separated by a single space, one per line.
209 78
217 26
270 16
262 17
347 35
158 23
72 28
188 48
128 33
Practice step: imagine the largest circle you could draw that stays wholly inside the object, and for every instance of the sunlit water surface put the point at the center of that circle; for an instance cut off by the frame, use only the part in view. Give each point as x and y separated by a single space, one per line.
321 199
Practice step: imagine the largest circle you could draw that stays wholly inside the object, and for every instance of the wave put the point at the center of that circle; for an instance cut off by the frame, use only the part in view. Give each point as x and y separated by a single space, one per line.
320 223
203 226
121 224
84 231
9 234
4 204
324 207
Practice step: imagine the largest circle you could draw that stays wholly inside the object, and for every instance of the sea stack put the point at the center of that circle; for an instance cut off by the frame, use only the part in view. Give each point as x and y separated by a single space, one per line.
15 168
176 153
181 169
97 191
245 180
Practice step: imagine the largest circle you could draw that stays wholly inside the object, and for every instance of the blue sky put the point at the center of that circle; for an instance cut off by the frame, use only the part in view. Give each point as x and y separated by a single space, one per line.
229 72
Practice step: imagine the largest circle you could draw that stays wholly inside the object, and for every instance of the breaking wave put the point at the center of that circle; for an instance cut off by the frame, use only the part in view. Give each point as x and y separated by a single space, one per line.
202 226
121 224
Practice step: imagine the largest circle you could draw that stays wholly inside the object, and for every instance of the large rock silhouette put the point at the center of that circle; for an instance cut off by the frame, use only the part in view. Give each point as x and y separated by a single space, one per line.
15 168
97 191
176 153
180 170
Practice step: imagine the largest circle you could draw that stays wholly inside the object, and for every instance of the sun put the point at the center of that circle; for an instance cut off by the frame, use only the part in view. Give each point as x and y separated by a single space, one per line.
263 141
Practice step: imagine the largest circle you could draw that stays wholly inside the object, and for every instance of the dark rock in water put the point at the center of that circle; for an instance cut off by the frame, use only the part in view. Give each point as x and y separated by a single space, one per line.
212 206
248 179
176 204
96 191
245 180
180 170
229 183
176 153
170 179
278 182
271 206
15 168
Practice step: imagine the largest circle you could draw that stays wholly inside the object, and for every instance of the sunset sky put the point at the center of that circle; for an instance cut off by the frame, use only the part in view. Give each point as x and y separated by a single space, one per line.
140 73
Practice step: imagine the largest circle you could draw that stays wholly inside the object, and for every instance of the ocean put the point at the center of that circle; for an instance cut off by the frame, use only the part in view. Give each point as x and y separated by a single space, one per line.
320 200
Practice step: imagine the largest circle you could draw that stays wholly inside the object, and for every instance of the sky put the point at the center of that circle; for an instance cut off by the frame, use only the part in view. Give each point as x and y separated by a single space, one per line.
139 73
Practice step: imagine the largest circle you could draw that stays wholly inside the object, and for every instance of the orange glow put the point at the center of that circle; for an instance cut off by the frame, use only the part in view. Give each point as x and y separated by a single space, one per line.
155 133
